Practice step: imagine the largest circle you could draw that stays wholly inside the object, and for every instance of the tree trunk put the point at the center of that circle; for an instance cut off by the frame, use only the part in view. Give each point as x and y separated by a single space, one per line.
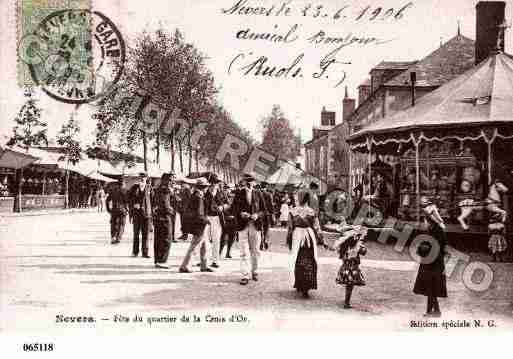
158 147
180 155
190 151
66 190
172 149
145 151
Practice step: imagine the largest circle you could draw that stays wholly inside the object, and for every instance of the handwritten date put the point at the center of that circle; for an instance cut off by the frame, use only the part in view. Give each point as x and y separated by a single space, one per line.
319 10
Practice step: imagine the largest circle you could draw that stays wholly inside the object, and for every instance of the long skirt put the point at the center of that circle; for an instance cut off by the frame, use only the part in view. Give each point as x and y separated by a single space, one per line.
431 280
305 270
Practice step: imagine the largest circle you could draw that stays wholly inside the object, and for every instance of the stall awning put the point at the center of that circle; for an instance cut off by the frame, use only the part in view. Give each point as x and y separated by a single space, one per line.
99 177
14 157
480 97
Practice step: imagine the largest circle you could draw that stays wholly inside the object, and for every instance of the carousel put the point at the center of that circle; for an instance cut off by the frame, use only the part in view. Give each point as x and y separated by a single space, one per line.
453 146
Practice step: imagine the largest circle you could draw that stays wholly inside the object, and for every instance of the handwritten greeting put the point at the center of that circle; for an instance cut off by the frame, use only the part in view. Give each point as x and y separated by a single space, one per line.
330 65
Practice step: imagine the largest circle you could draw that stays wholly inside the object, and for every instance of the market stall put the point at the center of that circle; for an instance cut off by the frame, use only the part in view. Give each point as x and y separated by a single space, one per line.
12 159
452 145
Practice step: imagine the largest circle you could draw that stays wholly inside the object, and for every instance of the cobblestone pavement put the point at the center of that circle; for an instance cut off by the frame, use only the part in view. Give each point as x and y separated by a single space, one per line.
64 265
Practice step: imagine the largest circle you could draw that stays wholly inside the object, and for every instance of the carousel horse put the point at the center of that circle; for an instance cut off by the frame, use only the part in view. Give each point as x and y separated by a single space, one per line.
491 204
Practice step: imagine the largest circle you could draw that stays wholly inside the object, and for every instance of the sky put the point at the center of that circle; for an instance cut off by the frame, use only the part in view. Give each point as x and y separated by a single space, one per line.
248 98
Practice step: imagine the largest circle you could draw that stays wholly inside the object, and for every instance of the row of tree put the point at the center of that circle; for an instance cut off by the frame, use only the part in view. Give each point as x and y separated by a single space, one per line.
163 69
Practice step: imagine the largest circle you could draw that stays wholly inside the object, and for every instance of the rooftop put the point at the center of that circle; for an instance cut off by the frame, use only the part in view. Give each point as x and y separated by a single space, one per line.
394 65
442 65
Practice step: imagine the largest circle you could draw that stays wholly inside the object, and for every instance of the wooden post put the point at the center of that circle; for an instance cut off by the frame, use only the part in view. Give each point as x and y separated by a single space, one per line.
489 145
44 183
369 160
417 178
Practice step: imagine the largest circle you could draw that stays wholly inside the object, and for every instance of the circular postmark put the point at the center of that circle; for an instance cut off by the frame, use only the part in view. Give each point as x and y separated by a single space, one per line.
76 56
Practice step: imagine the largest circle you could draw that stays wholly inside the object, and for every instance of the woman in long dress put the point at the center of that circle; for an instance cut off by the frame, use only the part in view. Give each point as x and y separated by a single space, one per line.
431 280
302 239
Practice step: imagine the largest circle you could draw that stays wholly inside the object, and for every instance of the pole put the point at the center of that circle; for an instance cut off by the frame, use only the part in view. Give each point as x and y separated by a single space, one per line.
369 159
417 178
489 145
351 185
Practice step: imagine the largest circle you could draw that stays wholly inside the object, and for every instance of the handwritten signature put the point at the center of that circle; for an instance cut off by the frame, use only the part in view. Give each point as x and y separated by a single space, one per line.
250 64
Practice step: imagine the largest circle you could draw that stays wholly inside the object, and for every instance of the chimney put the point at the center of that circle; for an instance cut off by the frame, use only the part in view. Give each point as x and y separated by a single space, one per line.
327 117
489 17
348 106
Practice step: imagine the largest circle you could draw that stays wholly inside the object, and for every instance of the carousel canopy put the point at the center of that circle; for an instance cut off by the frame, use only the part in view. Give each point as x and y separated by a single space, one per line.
14 157
481 96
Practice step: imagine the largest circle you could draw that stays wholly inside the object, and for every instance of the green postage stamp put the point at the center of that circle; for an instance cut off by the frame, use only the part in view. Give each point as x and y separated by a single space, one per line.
30 14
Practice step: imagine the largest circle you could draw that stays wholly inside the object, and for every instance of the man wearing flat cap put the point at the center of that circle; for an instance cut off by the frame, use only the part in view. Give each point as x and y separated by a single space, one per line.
197 223
249 209
215 206
163 219
140 213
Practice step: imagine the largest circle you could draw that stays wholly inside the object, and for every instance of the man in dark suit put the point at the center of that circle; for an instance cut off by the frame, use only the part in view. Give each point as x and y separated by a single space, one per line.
249 209
117 206
140 213
163 220
184 198
268 217
215 205
196 224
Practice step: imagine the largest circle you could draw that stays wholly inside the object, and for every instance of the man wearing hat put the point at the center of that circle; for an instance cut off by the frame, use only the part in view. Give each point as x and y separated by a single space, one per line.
197 223
163 219
140 213
249 209
215 205
117 206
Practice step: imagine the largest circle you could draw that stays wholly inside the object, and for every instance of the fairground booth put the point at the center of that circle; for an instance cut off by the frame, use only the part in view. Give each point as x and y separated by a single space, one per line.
454 146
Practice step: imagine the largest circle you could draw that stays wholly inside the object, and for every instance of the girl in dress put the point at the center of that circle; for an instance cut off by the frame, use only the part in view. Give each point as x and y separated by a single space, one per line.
497 243
351 247
302 240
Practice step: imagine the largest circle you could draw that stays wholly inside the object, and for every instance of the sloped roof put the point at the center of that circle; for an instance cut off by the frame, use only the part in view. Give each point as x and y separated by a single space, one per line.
394 65
482 95
442 65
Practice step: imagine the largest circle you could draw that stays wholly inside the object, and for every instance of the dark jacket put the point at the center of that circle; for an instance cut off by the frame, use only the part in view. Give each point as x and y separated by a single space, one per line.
117 203
183 199
212 203
194 218
241 204
164 203
142 199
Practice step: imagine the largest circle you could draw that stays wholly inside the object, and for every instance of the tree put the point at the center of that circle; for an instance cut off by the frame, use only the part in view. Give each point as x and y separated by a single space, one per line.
29 129
216 132
170 74
278 135
67 138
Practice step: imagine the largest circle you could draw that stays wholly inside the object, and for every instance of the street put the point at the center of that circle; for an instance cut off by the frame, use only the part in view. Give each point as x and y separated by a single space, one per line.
64 264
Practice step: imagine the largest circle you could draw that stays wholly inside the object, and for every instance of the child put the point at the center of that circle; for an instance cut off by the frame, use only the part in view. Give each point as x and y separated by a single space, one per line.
350 248
284 212
497 243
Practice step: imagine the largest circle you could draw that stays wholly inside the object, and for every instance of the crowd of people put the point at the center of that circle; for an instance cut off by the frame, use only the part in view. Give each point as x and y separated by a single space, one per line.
214 215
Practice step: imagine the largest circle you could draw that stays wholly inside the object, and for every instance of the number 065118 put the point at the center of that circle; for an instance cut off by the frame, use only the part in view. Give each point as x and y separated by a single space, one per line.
37 347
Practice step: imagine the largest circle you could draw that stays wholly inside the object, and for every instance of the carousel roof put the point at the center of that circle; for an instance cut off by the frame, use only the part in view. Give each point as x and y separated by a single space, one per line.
482 95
